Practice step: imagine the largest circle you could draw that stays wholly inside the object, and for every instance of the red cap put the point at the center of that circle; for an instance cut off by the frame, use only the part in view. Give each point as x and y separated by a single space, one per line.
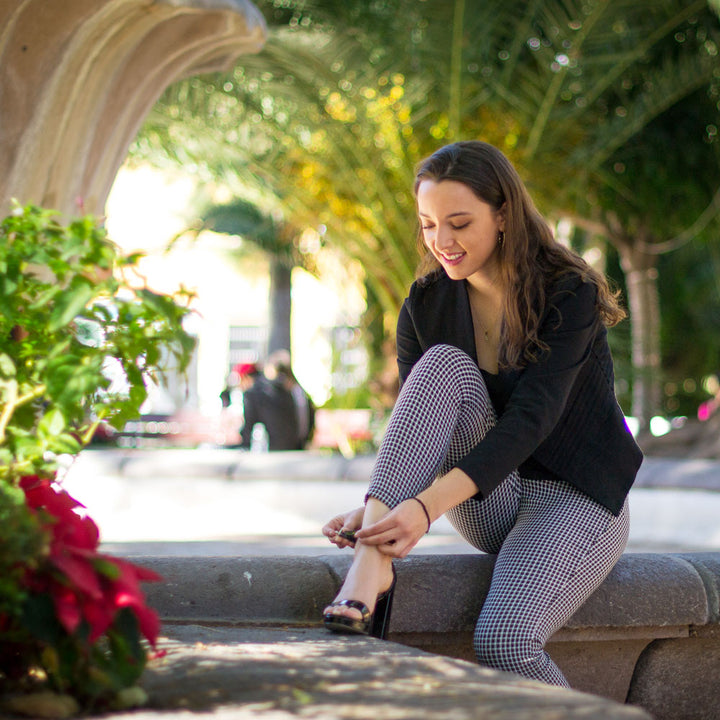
243 369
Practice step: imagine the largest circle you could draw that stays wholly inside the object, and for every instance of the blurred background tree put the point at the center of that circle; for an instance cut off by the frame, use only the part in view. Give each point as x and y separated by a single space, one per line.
275 238
609 110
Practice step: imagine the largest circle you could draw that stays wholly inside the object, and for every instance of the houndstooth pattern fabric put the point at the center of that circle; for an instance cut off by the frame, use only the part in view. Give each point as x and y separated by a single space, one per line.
554 544
562 546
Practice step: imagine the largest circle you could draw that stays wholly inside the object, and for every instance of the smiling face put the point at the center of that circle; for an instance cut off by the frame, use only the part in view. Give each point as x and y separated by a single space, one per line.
459 229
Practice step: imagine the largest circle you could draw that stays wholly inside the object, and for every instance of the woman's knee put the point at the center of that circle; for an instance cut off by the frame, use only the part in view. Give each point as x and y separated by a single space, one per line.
446 366
506 644
447 356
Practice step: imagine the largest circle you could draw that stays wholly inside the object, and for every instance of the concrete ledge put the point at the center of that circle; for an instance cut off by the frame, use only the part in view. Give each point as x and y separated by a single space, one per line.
650 632
285 674
241 591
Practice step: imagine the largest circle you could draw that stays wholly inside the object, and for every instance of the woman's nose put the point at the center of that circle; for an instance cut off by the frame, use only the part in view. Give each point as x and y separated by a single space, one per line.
443 238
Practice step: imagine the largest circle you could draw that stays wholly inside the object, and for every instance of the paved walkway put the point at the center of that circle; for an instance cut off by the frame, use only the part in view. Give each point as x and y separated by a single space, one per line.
245 674
228 502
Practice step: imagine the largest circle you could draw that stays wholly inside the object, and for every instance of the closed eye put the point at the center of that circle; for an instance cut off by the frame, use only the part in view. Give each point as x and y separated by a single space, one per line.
453 227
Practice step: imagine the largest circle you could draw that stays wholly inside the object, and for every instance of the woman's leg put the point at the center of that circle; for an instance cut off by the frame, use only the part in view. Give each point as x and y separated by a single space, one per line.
443 409
370 572
442 412
562 547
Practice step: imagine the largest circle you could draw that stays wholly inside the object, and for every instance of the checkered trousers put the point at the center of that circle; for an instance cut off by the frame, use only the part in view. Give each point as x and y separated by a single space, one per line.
554 544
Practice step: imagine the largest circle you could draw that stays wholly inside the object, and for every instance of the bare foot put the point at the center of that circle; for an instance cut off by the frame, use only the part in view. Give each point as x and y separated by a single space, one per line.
370 574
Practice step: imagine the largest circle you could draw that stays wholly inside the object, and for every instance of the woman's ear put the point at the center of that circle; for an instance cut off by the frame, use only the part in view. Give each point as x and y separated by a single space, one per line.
501 213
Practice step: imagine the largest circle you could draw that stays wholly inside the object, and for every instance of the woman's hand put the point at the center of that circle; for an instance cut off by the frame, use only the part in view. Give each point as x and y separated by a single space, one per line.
346 522
397 533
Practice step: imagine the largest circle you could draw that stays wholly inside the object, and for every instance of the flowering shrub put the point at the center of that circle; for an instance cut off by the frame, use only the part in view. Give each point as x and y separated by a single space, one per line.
81 613
73 621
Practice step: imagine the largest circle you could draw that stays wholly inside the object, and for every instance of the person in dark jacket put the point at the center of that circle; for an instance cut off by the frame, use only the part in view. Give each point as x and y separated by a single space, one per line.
268 402
506 421
279 367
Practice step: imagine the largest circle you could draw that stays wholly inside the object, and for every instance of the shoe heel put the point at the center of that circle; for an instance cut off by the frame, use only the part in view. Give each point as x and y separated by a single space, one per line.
383 610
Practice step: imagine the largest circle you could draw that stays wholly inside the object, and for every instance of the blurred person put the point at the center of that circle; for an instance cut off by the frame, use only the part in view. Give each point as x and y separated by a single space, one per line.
278 367
268 402
232 385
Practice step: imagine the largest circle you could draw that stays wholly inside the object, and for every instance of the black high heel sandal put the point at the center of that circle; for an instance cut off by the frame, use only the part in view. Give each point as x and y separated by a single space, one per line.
375 624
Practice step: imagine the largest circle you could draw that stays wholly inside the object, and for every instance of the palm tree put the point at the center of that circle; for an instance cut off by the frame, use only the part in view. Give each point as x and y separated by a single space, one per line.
275 238
332 116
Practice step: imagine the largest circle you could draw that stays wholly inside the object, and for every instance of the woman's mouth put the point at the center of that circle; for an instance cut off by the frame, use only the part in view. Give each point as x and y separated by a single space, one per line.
452 258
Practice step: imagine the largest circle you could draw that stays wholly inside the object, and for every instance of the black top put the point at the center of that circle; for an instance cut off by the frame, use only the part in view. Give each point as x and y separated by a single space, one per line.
557 417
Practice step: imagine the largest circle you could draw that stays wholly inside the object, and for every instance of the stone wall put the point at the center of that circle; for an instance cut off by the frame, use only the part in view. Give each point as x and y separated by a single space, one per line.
650 635
77 77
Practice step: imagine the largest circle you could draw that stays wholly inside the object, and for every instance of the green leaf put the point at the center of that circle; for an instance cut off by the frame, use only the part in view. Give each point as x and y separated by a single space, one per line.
64 444
7 366
39 617
106 567
46 297
8 388
70 304
52 423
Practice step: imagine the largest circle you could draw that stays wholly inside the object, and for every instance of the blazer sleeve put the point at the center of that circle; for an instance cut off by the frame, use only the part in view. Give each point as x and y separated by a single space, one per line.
408 345
538 400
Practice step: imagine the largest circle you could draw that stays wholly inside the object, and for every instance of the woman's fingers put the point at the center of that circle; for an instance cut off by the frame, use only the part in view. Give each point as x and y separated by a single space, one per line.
377 537
331 528
395 550
340 530
396 533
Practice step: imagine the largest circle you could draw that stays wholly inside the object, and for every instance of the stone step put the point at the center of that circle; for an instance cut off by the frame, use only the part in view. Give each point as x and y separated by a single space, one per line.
286 673
650 635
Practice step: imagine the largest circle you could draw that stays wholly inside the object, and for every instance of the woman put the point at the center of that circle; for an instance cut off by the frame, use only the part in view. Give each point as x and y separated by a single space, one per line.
506 420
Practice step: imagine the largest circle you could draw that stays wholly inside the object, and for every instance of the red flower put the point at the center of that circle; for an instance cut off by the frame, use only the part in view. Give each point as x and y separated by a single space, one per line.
79 572
40 493
85 584
66 607
99 617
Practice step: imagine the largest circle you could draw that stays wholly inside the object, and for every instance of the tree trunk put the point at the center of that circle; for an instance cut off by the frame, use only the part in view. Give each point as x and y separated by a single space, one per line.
280 306
641 276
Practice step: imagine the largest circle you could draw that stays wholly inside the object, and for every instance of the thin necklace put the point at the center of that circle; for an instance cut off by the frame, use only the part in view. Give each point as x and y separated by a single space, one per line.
476 319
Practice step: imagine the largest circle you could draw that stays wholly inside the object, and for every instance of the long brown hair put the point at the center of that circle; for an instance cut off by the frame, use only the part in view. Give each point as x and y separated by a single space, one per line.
531 260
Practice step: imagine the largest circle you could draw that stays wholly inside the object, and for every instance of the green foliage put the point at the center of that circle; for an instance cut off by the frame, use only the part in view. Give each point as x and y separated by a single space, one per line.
608 109
690 290
65 317
21 546
93 673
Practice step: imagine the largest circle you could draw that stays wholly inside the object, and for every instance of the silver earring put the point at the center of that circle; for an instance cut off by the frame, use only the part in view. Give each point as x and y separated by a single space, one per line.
501 238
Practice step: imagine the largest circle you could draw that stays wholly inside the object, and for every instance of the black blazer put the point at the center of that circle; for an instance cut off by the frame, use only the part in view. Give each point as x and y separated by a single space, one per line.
558 417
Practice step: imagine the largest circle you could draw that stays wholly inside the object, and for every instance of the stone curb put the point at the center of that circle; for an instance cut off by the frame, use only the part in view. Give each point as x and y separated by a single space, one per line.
642 590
